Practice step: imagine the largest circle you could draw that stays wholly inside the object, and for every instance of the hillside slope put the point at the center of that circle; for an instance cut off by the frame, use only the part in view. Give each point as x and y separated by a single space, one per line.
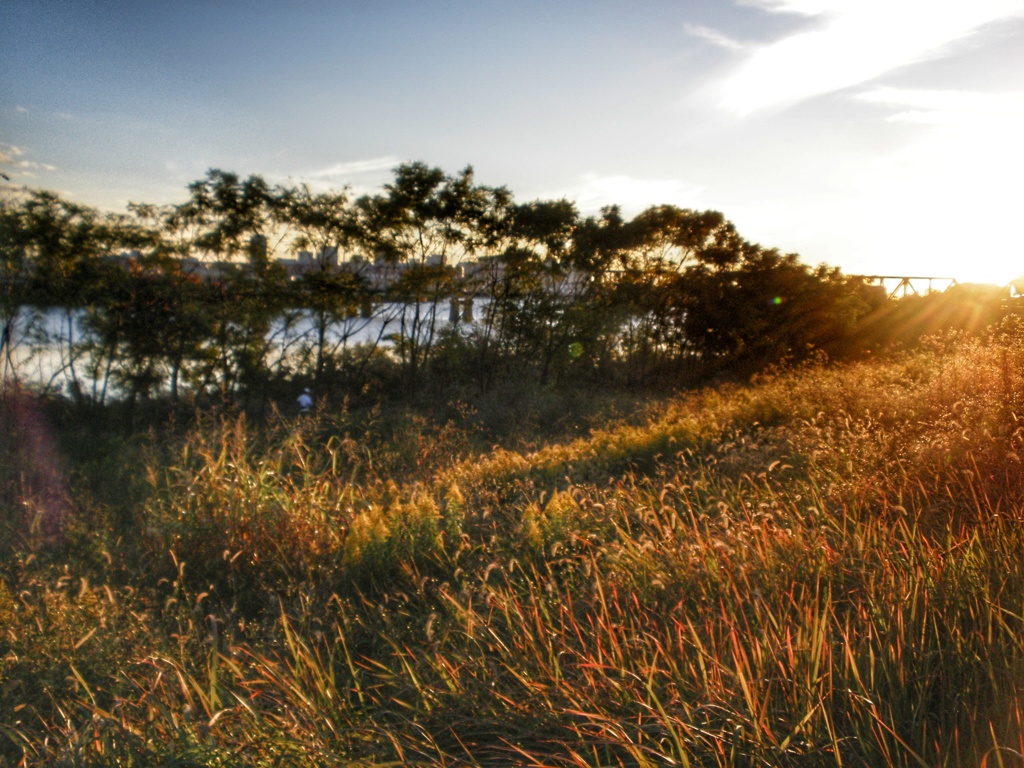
821 568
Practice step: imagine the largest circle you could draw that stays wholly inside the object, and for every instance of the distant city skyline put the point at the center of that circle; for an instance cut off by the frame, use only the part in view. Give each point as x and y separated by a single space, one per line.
879 137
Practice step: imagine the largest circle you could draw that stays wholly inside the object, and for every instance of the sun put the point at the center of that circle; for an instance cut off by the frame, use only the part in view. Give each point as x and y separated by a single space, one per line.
989 269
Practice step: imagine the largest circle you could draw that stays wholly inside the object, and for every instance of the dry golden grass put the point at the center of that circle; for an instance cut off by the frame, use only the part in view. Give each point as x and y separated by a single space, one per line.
822 568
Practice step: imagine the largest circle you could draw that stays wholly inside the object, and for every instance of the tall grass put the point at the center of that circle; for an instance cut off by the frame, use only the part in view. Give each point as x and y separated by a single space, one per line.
822 568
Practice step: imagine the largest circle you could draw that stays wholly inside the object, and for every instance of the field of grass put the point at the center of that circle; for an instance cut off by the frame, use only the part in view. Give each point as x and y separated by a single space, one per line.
824 567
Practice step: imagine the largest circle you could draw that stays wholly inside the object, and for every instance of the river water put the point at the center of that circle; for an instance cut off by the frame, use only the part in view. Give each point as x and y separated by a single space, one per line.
47 342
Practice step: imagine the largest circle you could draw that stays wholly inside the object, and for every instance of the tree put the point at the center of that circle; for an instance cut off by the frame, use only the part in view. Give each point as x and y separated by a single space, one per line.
521 304
334 291
149 330
667 237
335 301
235 217
15 271
656 247
576 325
233 221
54 254
766 308
190 296
421 226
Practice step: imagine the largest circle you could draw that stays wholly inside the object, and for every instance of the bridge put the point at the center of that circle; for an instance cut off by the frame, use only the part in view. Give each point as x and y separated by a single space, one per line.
904 285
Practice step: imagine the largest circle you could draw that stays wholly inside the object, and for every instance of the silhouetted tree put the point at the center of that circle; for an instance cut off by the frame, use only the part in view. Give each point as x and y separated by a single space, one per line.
191 297
15 272
766 308
421 227
54 250
233 221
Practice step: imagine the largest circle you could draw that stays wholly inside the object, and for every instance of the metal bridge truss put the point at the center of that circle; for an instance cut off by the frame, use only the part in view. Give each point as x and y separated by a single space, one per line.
904 286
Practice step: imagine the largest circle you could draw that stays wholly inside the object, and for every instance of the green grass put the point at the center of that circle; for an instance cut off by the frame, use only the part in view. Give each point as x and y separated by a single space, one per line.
821 568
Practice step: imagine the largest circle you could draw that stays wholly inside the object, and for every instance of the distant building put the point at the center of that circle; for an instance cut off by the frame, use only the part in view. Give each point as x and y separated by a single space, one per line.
480 274
323 260
258 248
328 258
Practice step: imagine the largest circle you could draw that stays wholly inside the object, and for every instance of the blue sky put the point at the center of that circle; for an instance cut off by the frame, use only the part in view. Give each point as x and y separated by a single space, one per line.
880 136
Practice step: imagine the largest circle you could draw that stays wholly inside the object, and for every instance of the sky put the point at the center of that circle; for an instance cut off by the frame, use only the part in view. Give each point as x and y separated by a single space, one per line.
877 136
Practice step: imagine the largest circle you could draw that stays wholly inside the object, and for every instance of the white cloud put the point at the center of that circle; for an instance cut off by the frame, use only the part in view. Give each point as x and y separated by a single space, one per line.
593 192
34 165
715 37
20 110
8 152
355 168
360 177
951 108
853 42
13 156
